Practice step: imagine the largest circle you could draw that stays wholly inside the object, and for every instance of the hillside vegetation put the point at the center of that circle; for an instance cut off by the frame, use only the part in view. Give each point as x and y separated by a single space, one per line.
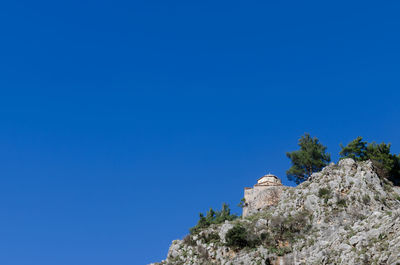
344 214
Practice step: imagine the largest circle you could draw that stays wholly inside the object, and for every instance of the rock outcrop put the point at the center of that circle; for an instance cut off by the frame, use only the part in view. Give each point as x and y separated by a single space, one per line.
344 214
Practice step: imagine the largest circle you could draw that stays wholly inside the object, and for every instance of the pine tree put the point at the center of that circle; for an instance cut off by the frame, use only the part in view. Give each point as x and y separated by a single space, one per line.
311 157
387 165
213 217
356 149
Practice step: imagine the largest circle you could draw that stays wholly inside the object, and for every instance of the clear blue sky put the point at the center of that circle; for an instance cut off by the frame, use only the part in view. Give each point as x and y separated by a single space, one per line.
122 120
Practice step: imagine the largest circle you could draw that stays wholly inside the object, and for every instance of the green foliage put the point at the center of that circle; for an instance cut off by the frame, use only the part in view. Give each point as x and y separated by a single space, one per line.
341 202
351 233
366 199
288 229
324 193
242 203
387 165
356 149
387 187
280 251
188 240
213 217
236 237
239 237
265 237
210 238
281 230
311 157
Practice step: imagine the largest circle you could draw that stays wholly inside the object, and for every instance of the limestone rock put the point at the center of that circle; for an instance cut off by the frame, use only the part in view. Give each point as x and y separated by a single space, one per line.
344 214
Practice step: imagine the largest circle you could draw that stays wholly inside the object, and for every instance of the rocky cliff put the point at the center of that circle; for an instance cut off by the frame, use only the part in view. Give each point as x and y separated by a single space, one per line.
344 214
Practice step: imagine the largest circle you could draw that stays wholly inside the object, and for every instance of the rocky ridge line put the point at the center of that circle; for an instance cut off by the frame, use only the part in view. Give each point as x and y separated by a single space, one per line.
344 214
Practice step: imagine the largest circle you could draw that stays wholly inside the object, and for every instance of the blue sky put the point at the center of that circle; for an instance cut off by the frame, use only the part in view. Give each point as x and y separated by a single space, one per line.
122 120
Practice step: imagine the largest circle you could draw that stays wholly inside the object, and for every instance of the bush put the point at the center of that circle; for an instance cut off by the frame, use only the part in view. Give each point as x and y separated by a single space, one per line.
386 165
387 187
211 237
324 192
289 228
280 251
341 202
366 199
213 217
242 203
265 237
236 237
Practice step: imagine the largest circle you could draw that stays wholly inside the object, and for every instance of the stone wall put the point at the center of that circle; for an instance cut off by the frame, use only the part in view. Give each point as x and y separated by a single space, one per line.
261 196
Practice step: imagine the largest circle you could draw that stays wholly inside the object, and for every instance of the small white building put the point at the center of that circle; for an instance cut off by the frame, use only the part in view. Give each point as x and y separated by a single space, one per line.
269 180
266 192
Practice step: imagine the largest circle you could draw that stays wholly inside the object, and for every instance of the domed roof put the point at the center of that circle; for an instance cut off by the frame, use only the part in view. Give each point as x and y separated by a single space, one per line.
269 178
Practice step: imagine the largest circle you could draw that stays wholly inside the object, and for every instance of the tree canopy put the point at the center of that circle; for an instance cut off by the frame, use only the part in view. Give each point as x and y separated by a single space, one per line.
213 217
386 164
356 149
311 157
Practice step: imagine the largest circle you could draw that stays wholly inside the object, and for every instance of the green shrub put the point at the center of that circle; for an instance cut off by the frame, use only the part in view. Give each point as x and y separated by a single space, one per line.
265 237
311 242
341 202
366 199
351 233
242 203
289 229
324 192
387 187
236 237
283 250
213 217
386 164
210 238
280 251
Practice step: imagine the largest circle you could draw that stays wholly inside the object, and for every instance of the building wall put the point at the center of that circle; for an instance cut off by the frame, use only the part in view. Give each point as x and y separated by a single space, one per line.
260 197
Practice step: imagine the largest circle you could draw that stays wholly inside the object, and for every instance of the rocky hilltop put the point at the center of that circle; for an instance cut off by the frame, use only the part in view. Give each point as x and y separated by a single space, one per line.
345 214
